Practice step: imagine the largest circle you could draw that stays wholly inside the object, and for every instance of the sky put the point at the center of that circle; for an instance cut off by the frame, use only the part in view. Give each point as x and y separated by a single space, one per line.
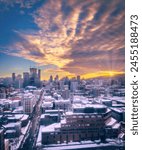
64 37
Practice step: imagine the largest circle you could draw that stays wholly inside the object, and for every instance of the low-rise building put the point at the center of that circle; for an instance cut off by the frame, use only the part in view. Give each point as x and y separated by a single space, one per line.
62 104
84 123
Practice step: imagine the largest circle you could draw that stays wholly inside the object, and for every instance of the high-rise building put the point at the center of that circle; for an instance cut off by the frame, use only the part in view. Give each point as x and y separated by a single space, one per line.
74 86
51 79
19 81
65 94
13 77
61 85
26 79
35 77
78 78
2 91
33 71
19 77
57 78
39 74
28 103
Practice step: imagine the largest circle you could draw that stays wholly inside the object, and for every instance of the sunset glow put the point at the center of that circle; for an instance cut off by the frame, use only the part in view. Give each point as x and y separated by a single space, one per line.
68 38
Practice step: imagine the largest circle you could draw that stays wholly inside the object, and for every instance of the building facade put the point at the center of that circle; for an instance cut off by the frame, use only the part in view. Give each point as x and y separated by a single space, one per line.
2 139
85 124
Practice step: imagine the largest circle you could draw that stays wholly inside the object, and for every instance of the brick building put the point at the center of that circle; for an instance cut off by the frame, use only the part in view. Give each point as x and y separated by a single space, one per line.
84 123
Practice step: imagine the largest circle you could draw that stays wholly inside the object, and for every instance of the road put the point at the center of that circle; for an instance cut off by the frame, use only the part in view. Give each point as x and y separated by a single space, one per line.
35 118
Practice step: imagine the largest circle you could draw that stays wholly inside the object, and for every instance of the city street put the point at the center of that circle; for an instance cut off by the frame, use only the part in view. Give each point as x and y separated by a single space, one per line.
31 140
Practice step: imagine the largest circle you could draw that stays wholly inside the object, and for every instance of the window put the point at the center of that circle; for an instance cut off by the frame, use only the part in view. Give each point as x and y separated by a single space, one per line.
80 116
86 116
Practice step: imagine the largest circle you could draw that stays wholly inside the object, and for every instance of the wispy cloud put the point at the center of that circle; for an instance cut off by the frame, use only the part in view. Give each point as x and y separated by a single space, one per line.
77 36
7 4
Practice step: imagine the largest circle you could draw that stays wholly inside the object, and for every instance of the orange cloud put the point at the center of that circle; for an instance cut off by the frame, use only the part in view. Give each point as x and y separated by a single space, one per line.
77 36
61 73
102 74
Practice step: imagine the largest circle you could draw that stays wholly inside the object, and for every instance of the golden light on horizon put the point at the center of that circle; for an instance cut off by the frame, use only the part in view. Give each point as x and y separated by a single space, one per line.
63 74
102 74
82 40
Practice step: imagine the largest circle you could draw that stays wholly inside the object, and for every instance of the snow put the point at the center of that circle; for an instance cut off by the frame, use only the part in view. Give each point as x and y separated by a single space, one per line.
63 121
62 101
25 117
54 111
69 113
24 129
116 126
119 110
18 109
118 99
88 105
52 127
11 125
111 121
47 104
10 131
18 116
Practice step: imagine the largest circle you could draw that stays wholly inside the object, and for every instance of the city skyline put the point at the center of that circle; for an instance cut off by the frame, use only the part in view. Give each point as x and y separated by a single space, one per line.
67 38
109 75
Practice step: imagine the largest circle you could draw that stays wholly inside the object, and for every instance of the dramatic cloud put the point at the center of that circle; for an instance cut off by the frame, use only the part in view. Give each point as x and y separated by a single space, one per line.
77 36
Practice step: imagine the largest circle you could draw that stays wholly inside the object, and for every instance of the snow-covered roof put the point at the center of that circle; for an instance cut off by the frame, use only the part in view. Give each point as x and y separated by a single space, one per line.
24 117
62 101
111 121
12 125
116 126
88 105
47 104
119 110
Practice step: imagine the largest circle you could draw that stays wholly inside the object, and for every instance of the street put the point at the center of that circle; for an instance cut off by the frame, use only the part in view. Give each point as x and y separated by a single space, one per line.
31 140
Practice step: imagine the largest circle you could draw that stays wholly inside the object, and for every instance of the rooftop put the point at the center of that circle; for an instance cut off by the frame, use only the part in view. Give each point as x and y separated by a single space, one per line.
52 127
